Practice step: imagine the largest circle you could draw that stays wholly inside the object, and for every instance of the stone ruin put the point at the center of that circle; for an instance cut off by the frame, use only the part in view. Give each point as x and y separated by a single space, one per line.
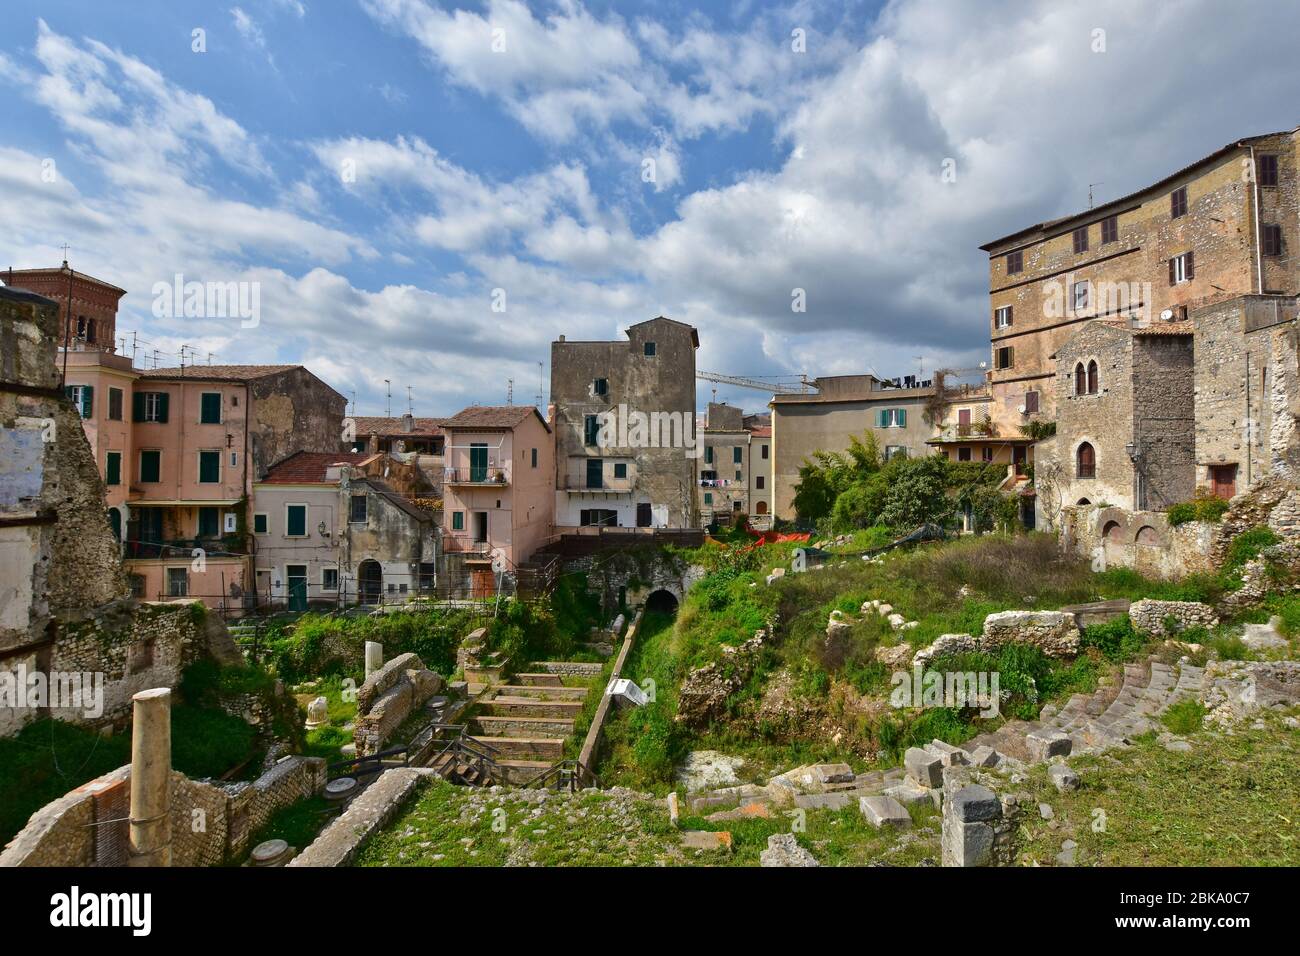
389 696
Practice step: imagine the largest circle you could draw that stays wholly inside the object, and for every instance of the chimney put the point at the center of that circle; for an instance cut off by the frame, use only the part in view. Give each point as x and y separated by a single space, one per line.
408 423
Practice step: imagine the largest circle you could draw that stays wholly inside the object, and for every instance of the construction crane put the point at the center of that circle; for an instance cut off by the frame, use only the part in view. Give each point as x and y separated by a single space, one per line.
781 385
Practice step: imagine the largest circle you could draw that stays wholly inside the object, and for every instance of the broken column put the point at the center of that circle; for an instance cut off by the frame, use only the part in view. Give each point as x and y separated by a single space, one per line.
151 765
374 657
969 818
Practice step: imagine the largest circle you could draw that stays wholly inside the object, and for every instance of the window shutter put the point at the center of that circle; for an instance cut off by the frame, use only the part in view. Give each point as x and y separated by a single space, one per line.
880 418
1172 280
902 417
137 407
87 401
1191 268
163 399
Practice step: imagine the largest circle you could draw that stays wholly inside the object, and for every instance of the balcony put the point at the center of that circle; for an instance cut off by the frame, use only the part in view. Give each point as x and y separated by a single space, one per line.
577 484
232 546
491 475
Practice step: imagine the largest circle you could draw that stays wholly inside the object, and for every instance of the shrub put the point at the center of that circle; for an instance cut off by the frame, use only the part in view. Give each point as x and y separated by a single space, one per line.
1203 507
1184 717
1117 639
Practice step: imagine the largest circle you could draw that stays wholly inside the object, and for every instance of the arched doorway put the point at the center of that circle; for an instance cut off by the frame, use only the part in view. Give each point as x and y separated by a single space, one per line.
370 582
115 522
761 508
661 602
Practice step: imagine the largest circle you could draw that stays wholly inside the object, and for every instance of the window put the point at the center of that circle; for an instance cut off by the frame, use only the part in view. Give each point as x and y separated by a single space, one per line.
764 453
986 453
759 482
329 579
737 455
708 454
357 509
295 521
150 466
895 451
1110 229
1004 357
113 468
458 521
598 518
1081 239
891 418
1002 317
209 522
82 398
1267 163
210 408
1015 262
1092 378
620 469
259 523
595 472
1080 379
963 453
178 582
1182 269
534 457
115 404
1271 236
600 386
708 497
1079 295
590 430
738 478
209 467
1085 462
149 406
1178 203
1031 403
234 459
650 349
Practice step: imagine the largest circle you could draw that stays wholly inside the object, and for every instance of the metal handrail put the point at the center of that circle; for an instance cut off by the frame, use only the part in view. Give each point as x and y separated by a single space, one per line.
575 770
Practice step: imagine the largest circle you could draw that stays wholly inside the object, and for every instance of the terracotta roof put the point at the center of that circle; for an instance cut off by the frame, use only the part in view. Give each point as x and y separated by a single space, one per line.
308 467
218 373
17 275
493 417
1179 327
760 431
396 426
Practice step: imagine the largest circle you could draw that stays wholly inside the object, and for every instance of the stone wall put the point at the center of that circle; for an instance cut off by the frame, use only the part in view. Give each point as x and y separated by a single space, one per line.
211 823
1142 540
1167 618
388 697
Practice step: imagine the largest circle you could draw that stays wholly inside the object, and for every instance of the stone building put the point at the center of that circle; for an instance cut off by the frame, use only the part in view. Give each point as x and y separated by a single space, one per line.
760 469
1223 227
390 547
845 406
626 444
65 605
87 306
1124 397
735 466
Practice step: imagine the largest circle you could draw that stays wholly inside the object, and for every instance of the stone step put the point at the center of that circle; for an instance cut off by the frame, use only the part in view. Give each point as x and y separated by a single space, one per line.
540 680
527 707
523 726
525 747
537 692
570 668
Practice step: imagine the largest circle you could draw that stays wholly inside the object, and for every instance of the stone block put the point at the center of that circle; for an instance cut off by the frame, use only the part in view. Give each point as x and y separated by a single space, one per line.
1044 744
909 794
884 811
833 773
1062 777
923 767
983 756
783 849
706 840
950 755
974 803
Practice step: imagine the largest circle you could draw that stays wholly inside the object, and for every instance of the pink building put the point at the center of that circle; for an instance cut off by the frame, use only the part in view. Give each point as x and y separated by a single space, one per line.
498 487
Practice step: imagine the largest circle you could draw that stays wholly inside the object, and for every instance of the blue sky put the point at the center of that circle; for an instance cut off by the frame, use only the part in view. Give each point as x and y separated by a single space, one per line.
514 160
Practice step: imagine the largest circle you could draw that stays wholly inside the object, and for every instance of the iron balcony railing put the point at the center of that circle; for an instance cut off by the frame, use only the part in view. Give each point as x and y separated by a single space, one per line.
474 475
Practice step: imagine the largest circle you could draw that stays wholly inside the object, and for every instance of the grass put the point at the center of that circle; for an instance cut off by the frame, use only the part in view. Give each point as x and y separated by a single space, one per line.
1230 801
327 741
297 824
1184 717
450 826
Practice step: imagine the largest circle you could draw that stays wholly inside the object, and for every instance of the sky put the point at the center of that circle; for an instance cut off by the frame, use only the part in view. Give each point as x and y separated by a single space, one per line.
430 193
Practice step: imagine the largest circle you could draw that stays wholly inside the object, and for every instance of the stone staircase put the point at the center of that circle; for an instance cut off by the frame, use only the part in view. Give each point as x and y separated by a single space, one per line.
526 722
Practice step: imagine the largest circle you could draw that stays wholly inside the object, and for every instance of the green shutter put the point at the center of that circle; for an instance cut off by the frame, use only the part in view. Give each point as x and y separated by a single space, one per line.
296 521
880 418
210 408
458 521
208 522
902 418
259 524
113 468
87 401
163 400
137 407
150 464
209 467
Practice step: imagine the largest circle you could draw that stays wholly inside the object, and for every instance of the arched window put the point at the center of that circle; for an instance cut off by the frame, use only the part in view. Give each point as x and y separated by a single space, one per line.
1086 462
1092 377
1080 380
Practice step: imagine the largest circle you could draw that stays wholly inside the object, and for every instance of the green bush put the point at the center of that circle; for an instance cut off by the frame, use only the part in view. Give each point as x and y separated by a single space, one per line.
1116 639
1185 716
1200 508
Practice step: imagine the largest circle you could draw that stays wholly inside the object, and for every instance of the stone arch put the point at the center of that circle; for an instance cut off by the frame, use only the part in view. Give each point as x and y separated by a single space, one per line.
1113 531
1147 535
1094 384
662 601
1080 379
1083 501
370 581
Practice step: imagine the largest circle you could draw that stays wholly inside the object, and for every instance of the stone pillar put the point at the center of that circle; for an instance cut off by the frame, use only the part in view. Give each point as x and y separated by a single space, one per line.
151 791
969 818
374 657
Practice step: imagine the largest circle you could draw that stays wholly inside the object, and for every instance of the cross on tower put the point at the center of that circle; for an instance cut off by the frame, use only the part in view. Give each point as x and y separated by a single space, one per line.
65 253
